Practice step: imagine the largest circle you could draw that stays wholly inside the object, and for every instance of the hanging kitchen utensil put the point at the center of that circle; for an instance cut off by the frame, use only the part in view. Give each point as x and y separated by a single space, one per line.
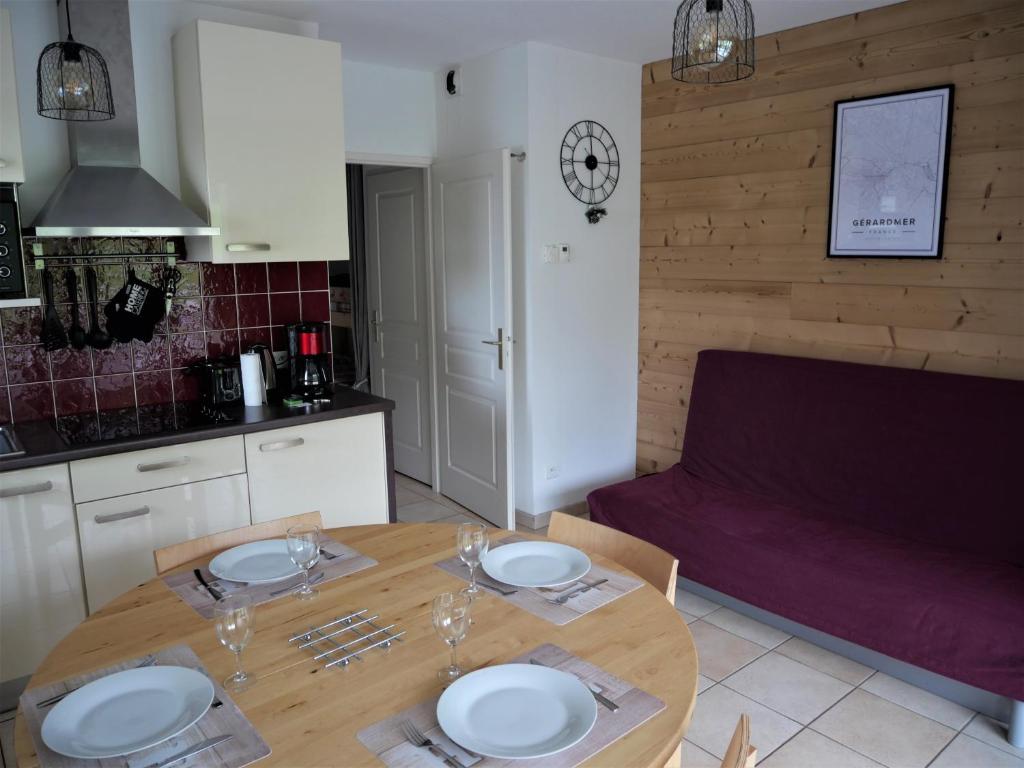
53 336
135 310
169 284
76 333
96 338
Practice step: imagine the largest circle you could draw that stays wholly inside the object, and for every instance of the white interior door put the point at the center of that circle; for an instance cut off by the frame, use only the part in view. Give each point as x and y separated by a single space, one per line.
399 324
470 199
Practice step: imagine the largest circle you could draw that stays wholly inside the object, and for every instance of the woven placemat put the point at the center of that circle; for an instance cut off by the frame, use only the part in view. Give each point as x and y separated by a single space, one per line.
540 602
246 746
386 740
341 560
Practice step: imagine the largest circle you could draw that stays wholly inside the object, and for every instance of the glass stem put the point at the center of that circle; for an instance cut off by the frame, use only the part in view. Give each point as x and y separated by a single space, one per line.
454 663
239 674
472 577
305 576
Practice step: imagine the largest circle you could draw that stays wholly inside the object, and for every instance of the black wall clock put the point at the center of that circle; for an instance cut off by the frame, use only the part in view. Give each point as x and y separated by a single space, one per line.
590 163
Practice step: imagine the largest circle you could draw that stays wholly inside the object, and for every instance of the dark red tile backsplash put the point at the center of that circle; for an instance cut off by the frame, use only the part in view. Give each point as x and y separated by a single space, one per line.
220 309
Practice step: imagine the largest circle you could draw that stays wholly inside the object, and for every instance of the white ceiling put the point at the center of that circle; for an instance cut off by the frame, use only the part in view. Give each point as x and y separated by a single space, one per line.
431 34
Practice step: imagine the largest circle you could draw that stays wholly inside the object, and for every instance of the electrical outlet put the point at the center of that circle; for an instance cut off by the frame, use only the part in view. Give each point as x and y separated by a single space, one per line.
552 472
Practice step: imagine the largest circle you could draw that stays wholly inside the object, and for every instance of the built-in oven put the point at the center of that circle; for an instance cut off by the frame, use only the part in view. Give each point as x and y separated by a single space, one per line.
12 264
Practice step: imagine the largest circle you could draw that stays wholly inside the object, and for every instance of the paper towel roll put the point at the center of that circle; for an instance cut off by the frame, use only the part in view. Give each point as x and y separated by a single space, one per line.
254 388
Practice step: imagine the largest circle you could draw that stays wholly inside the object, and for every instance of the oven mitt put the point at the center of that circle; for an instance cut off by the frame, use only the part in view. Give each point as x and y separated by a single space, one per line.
135 310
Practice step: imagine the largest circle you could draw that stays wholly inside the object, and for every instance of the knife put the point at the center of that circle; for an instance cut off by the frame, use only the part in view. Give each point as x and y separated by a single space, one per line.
213 592
496 587
193 750
600 697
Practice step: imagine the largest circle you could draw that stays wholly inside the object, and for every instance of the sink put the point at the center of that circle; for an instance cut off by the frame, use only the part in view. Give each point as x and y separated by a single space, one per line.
9 443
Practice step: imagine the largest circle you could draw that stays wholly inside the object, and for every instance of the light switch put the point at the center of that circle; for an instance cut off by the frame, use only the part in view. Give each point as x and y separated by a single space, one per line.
564 253
550 254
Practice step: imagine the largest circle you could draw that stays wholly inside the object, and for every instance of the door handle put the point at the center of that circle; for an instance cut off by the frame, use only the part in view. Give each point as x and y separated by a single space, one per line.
25 490
101 519
500 344
247 247
280 445
168 464
375 321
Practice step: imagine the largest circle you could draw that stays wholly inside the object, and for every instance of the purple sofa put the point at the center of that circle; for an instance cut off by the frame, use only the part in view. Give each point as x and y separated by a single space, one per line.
880 505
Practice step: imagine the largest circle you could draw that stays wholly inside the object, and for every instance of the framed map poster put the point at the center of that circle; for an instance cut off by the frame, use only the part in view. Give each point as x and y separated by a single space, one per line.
890 166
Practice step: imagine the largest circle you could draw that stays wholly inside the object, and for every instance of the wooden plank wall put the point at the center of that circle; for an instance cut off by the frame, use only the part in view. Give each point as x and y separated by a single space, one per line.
735 186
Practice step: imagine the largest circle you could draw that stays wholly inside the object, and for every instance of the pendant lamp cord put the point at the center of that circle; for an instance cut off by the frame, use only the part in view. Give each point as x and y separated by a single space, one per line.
67 12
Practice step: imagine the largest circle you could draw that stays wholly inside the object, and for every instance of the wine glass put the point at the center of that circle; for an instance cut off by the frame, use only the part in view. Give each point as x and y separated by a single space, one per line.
304 550
451 622
471 543
234 617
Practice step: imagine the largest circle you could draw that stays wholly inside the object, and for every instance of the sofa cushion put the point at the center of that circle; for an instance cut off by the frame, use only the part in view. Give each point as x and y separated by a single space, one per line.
932 606
928 456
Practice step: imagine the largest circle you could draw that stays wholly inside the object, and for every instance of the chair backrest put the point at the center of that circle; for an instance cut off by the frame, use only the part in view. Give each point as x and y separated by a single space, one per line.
174 555
655 565
740 754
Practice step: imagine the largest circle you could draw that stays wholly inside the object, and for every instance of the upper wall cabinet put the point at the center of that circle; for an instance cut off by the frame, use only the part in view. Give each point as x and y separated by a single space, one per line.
261 143
11 167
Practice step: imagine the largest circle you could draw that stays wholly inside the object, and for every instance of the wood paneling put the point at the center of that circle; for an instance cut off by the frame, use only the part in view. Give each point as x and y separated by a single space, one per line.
734 221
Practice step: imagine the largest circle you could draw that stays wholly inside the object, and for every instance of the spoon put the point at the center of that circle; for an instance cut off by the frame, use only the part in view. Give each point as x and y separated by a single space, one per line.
96 338
76 333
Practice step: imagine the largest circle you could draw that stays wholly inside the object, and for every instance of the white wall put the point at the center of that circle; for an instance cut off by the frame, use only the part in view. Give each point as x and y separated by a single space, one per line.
582 327
44 142
389 111
575 324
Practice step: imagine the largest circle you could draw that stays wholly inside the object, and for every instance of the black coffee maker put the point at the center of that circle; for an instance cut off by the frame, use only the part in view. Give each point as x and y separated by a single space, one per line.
308 361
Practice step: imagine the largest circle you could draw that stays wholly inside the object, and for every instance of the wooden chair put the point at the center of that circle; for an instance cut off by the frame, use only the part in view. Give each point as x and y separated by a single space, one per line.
174 555
740 754
654 564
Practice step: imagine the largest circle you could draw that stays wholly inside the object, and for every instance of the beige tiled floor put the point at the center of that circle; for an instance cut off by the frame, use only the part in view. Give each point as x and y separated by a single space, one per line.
811 708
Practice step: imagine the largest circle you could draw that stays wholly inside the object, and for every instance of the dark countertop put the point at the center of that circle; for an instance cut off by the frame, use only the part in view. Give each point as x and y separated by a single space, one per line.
44 444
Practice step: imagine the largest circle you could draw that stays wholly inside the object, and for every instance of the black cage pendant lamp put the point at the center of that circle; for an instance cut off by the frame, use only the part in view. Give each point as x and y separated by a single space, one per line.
713 41
72 81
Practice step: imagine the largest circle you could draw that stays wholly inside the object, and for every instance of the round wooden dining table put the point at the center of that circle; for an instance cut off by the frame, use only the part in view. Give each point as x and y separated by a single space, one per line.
310 716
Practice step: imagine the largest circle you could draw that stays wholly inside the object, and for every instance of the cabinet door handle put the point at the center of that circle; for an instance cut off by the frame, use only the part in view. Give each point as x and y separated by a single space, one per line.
25 490
101 519
245 247
168 464
280 445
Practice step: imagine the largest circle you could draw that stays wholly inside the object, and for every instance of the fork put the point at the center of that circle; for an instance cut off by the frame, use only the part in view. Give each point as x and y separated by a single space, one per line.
416 737
314 580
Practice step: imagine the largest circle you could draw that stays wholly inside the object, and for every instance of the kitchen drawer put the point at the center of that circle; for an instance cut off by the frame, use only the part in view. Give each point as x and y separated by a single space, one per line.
41 597
337 468
108 476
119 535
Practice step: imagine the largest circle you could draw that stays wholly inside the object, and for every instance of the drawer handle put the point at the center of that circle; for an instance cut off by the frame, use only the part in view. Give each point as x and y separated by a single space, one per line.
168 464
280 445
246 247
25 490
101 519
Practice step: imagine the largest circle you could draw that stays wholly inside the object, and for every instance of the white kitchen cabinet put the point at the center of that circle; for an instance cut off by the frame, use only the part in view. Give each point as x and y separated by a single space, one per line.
336 467
121 473
118 535
40 570
12 169
261 142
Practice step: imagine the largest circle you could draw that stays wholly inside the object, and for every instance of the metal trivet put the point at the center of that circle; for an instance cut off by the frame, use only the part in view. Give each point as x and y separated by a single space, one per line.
325 642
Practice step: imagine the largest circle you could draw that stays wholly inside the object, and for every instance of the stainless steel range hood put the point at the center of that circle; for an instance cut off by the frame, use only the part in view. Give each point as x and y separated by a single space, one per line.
106 193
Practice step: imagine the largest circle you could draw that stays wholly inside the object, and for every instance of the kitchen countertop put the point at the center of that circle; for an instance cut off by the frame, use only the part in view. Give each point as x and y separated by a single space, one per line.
44 445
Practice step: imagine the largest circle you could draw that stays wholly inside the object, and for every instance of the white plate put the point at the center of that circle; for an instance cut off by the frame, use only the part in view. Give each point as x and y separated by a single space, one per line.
258 562
127 711
517 711
536 564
